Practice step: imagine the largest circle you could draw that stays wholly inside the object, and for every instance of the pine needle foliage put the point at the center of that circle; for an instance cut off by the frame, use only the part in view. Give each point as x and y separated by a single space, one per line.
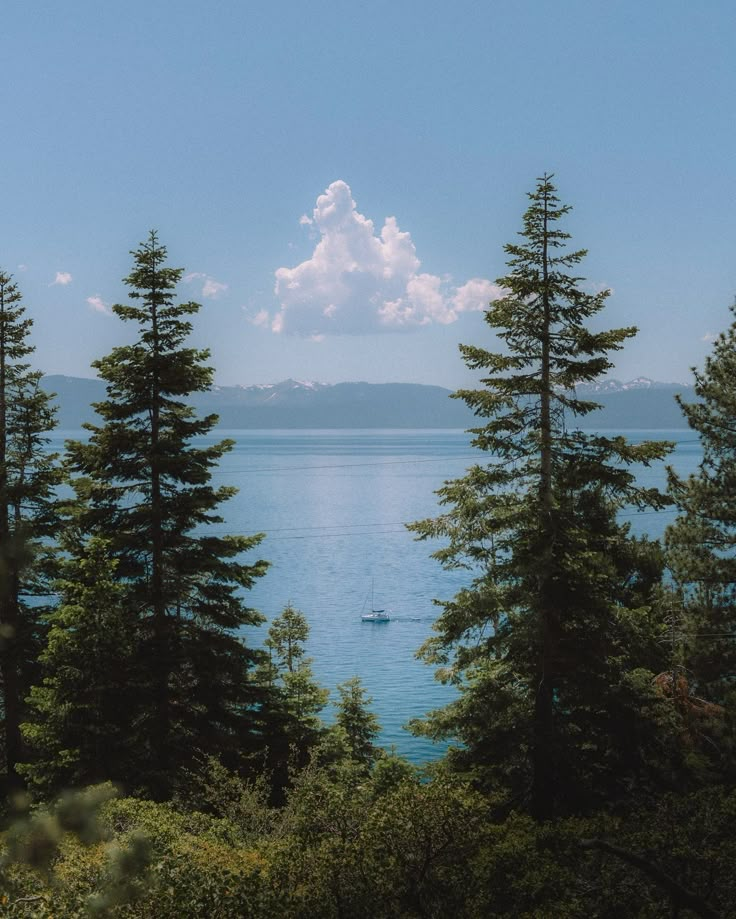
541 640
701 544
143 481
359 723
29 474
302 696
291 697
79 732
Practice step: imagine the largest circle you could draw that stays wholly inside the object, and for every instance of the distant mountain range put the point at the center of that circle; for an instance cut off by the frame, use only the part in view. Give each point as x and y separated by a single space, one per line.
641 403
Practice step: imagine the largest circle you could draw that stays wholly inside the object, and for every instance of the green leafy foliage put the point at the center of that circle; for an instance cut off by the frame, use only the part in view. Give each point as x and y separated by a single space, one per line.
244 802
44 851
342 847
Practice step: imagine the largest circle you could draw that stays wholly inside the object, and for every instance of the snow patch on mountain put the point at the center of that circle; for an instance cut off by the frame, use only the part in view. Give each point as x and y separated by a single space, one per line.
613 386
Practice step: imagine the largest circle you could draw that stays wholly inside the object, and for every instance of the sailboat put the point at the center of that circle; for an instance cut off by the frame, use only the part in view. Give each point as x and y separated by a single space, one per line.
375 615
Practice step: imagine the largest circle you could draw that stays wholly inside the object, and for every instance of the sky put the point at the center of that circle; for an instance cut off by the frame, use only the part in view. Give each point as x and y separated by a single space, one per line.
338 179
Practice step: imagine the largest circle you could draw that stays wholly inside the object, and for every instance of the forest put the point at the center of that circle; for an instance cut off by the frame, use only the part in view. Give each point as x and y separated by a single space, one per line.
154 765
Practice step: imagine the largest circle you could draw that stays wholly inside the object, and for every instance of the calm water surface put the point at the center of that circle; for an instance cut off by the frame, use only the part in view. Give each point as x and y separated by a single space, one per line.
333 505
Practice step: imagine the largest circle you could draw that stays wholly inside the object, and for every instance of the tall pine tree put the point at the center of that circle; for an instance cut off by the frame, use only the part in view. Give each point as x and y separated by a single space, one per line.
145 488
540 642
29 475
701 544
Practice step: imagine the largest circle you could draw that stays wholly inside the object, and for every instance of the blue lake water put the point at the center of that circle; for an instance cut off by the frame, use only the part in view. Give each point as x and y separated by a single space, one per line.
333 504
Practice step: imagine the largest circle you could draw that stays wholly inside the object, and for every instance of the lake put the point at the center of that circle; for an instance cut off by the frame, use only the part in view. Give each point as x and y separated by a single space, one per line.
333 504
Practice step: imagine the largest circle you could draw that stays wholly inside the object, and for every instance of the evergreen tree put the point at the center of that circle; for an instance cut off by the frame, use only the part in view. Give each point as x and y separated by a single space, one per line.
286 637
540 641
297 698
79 732
359 723
146 488
29 475
701 544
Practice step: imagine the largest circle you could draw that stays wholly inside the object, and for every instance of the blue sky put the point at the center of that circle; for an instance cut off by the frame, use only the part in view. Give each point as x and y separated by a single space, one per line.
338 179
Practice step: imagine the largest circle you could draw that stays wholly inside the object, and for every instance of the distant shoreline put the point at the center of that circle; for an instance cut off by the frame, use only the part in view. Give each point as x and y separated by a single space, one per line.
640 405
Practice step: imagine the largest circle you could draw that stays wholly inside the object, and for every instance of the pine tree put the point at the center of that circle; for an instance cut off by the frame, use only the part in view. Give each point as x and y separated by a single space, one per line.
29 475
359 723
78 732
145 487
286 637
296 699
701 543
538 641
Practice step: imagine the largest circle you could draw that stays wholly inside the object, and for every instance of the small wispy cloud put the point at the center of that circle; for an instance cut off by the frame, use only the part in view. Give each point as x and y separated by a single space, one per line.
211 289
22 267
98 305
709 337
261 319
63 278
359 281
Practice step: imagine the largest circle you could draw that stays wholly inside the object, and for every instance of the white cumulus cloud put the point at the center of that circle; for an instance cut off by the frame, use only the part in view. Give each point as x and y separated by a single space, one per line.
63 278
358 280
98 304
211 289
